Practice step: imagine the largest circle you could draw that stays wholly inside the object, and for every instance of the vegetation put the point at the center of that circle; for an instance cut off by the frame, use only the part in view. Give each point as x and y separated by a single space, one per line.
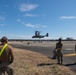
32 63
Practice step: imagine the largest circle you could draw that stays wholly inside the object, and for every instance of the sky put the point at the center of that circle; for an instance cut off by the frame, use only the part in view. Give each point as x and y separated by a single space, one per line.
19 19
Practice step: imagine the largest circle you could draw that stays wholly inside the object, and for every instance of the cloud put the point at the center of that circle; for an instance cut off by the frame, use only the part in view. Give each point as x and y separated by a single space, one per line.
27 7
68 17
2 18
31 25
30 15
43 26
35 26
18 20
1 25
33 15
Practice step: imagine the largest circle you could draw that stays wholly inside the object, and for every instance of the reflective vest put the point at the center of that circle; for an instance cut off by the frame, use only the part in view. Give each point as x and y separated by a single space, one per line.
3 49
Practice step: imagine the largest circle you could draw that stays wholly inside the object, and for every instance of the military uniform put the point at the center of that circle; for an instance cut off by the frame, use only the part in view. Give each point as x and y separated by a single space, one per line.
6 59
59 52
6 67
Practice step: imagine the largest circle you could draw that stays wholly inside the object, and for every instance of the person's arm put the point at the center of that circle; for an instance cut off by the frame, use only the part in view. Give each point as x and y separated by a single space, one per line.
11 56
62 46
56 46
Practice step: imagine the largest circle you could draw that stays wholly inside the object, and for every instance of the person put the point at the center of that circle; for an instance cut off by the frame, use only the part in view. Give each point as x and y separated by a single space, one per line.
7 57
59 46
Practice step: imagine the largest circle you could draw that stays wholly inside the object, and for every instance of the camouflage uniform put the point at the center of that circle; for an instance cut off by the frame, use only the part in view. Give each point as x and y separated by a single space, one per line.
7 57
59 52
7 68
59 57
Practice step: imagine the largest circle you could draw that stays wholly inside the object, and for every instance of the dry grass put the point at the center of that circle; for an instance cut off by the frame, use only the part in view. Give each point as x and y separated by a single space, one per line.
32 63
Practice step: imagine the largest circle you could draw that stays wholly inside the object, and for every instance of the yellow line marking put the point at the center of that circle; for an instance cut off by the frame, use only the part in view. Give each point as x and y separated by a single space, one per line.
66 55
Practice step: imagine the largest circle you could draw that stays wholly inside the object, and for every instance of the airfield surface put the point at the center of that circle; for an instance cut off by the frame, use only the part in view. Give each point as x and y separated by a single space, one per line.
47 47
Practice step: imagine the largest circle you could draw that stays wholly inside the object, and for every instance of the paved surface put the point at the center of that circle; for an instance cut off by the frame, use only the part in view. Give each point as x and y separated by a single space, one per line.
47 48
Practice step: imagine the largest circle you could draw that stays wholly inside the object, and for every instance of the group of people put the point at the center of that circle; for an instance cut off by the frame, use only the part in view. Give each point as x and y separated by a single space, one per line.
7 57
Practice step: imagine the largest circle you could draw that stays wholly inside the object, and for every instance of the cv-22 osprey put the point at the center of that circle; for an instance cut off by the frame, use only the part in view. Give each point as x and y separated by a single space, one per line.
38 35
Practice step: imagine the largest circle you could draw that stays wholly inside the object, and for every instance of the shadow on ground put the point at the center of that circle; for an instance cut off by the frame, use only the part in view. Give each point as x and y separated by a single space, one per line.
44 64
70 64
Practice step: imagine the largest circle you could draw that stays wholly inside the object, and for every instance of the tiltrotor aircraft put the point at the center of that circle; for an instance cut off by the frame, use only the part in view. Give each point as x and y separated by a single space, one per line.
38 35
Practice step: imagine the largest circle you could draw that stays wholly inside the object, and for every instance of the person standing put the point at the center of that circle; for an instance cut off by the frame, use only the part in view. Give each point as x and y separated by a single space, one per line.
59 46
6 56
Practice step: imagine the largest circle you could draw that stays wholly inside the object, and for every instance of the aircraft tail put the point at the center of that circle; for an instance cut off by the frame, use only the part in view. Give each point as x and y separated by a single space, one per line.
47 34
